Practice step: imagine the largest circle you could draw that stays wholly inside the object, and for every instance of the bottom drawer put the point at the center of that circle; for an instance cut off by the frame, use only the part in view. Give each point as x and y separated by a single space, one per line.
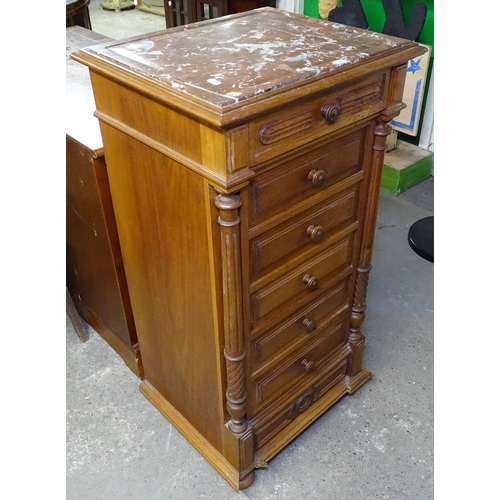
271 428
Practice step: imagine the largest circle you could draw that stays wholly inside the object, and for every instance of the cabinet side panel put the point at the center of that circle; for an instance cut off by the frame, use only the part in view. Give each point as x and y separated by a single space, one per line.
160 213
94 271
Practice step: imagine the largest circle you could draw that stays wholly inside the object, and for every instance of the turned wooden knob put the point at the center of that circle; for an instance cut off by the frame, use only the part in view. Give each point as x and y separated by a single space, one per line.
308 365
330 112
310 281
310 324
317 177
315 232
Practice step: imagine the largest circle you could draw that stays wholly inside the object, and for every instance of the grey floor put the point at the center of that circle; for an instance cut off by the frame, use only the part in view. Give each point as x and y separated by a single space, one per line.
375 444
123 24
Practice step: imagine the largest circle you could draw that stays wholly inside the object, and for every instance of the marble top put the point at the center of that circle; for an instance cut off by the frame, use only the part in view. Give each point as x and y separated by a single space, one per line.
231 59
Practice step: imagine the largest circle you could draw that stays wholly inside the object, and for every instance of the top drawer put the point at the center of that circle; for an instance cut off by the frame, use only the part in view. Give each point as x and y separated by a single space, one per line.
286 130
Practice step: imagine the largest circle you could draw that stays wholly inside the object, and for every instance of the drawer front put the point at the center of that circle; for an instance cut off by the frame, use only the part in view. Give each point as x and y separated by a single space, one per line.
311 229
286 130
300 327
304 176
303 366
271 428
305 282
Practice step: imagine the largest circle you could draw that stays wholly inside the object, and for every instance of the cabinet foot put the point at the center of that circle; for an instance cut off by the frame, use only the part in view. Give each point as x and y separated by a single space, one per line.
247 481
355 382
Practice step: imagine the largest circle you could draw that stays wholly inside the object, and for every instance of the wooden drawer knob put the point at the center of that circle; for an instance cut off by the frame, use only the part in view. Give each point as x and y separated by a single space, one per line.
317 177
310 324
315 232
310 281
330 112
308 365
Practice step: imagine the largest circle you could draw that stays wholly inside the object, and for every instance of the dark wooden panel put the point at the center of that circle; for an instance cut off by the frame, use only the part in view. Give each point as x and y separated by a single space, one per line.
94 269
181 12
77 13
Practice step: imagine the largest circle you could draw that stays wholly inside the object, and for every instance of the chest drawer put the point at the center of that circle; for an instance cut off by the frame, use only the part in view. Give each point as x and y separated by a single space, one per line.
303 234
268 429
302 366
293 127
304 283
300 328
306 175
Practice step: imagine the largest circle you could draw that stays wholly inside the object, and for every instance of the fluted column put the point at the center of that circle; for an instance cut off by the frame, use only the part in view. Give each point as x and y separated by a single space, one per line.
234 352
356 338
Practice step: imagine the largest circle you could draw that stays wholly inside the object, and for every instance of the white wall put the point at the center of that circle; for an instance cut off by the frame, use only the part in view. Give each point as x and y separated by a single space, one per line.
296 6
427 132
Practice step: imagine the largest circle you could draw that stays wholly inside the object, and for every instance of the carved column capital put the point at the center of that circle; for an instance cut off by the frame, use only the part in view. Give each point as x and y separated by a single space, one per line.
228 202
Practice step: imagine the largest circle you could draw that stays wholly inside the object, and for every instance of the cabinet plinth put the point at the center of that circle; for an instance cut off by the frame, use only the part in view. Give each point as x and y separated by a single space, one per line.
244 157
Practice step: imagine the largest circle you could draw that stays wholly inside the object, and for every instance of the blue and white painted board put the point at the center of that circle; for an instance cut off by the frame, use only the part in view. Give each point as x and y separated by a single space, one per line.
413 95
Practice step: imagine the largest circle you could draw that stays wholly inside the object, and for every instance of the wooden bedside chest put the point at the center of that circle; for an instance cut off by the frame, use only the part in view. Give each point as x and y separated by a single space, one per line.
244 158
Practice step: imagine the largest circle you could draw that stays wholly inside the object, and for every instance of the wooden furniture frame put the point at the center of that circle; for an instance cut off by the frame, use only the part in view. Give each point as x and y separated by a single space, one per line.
244 158
181 12
95 275
76 320
77 13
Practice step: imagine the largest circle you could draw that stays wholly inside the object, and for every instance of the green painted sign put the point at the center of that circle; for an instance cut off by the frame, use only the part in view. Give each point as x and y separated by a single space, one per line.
375 15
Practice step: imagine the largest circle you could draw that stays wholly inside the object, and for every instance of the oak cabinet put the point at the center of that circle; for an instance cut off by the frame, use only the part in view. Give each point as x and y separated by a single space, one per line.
244 158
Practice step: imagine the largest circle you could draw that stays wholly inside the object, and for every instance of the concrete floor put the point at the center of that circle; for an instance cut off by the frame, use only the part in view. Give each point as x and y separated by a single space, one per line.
375 444
123 24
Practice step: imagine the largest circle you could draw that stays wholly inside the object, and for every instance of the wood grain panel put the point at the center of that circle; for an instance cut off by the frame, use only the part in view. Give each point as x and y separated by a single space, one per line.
94 267
165 246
